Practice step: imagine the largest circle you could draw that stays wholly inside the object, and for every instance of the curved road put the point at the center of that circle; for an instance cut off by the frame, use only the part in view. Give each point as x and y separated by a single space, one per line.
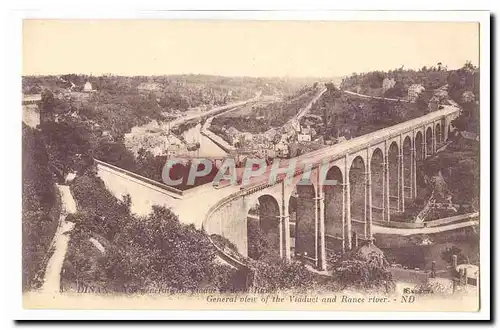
428 230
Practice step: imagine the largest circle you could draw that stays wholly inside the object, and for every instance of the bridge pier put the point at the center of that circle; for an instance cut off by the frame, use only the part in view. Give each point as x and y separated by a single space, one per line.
285 214
387 202
280 229
344 217
413 174
347 207
306 238
368 220
320 239
320 214
434 139
401 182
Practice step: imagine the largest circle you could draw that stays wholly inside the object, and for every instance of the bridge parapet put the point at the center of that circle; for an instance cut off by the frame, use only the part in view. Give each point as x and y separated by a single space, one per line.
176 193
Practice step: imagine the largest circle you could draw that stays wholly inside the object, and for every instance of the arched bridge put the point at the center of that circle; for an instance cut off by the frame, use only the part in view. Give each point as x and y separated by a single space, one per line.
377 174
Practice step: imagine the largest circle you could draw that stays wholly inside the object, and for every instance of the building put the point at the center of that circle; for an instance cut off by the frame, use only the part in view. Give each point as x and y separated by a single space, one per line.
270 134
247 136
173 150
88 87
293 126
281 150
414 91
233 135
304 137
388 83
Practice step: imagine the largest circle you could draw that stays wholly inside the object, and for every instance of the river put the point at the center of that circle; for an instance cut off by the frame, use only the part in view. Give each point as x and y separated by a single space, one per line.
207 147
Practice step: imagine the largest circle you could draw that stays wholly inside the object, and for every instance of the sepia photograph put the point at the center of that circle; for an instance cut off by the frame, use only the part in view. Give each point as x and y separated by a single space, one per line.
285 165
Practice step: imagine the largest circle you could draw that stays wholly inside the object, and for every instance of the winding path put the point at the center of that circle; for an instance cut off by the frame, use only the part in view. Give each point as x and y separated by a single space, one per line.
52 278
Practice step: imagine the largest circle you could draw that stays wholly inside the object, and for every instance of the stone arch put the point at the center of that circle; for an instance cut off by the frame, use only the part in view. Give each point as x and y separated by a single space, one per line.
394 177
263 221
377 184
302 211
357 173
419 146
428 141
252 199
334 201
407 166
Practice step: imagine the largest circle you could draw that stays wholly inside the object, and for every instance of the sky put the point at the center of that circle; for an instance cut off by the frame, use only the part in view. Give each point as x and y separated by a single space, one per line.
242 48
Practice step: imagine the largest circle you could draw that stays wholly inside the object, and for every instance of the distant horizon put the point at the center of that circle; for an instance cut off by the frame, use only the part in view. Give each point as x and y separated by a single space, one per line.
234 76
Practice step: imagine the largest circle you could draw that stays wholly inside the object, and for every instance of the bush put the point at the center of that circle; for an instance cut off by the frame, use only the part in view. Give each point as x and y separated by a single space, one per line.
258 242
448 252
40 207
272 274
358 271
150 254
100 211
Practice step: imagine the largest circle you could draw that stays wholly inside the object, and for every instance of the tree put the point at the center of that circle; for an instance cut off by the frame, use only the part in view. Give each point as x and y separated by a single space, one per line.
39 202
273 274
396 91
258 243
47 106
356 270
161 252
448 252
422 101
469 66
115 153
69 145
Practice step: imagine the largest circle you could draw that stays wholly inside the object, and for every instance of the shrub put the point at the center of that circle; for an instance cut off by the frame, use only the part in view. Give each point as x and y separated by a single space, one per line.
153 253
258 242
272 274
41 206
448 252
358 271
100 211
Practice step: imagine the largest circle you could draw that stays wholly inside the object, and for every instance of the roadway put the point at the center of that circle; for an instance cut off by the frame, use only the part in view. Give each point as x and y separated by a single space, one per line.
209 113
375 97
306 109
426 230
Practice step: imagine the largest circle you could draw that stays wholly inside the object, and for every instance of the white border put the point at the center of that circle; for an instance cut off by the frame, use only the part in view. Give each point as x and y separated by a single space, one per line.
13 175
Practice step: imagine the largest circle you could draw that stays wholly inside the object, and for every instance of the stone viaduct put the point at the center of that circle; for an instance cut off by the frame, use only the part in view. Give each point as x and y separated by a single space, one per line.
376 175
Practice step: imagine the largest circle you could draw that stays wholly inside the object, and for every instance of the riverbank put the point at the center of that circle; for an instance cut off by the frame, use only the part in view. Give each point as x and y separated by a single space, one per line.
220 142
